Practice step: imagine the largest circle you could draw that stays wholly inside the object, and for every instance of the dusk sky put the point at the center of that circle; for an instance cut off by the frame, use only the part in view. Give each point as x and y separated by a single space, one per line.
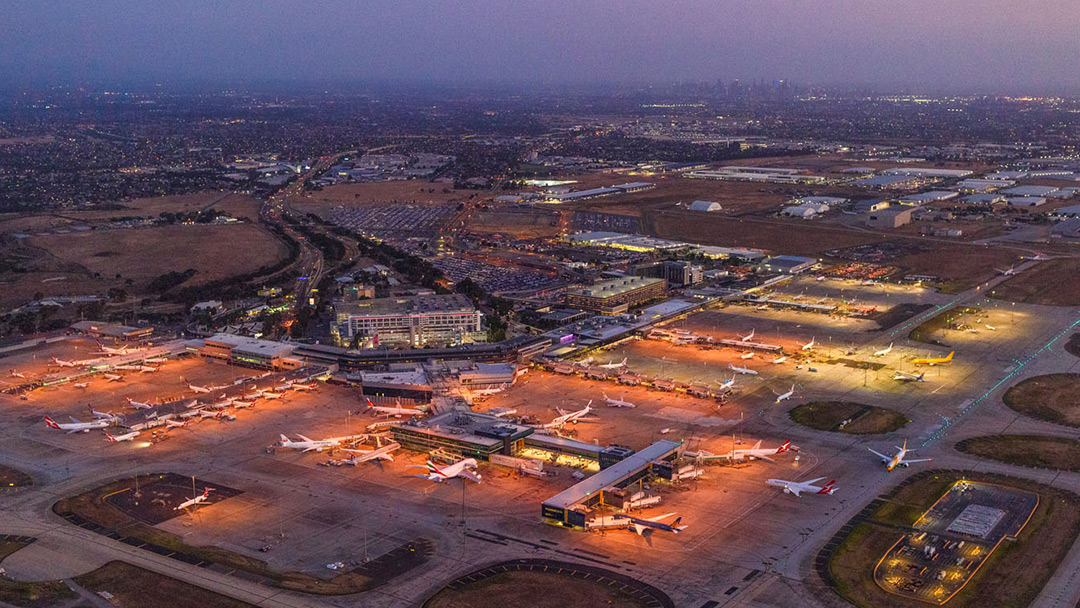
962 45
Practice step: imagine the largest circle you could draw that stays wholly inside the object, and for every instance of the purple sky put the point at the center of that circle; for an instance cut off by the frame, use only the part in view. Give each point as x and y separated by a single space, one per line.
986 45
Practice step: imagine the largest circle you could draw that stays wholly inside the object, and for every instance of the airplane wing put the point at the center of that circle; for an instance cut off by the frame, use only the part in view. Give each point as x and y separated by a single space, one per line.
302 438
467 474
659 517
416 466
794 489
880 455
640 529
907 461
765 458
74 419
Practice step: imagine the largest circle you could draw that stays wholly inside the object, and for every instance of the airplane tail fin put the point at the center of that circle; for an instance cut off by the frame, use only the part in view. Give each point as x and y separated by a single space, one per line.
949 358
284 439
829 488
674 524
110 438
785 447
49 422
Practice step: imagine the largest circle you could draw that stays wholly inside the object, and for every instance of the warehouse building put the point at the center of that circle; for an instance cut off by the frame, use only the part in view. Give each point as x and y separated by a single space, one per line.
410 322
890 218
405 382
704 206
251 352
463 434
617 296
787 264
924 198
1026 201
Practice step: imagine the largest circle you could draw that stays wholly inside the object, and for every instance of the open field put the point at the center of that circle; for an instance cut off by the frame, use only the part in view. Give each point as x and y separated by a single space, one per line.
514 225
1051 398
778 236
1026 450
862 419
143 254
1051 283
13 478
29 595
134 586
411 192
532 590
1012 576
736 198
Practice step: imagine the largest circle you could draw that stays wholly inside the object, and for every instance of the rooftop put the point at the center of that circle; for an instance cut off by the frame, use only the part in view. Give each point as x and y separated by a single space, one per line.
614 287
451 303
612 475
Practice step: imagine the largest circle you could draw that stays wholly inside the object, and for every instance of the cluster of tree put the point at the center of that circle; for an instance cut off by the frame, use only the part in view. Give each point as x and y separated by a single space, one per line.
332 249
199 217
167 281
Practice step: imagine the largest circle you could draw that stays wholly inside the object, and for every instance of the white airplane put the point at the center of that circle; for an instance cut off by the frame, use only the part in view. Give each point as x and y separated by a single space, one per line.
109 352
462 468
809 345
197 389
269 395
392 410
779 360
640 525
488 391
75 426
119 438
139 405
798 487
147 369
760 453
618 365
747 355
194 502
1011 271
103 415
158 360
113 377
786 396
309 445
728 384
617 402
239 404
1039 257
748 337
383 453
81 384
990 327
891 462
560 421
902 376
742 370
296 386
63 363
15 374
175 424
883 352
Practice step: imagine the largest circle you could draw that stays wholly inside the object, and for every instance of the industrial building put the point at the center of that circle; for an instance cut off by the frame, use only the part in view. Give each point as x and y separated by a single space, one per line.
101 329
569 507
1026 201
704 206
414 321
1030 191
787 264
462 433
926 172
923 198
683 274
890 218
617 296
402 381
580 195
757 174
982 186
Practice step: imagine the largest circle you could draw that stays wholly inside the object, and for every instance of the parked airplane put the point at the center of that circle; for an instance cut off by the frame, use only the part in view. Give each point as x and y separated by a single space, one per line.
1039 257
194 502
798 487
617 402
392 410
239 404
156 360
147 369
747 355
618 365
63 363
462 468
113 377
560 421
15 374
296 386
102 415
990 327
269 395
383 453
640 525
488 391
197 389
728 384
902 376
139 405
309 445
755 453
809 345
75 426
786 396
883 352
891 462
110 352
81 384
119 438
1011 271
748 337
934 361
742 370
779 360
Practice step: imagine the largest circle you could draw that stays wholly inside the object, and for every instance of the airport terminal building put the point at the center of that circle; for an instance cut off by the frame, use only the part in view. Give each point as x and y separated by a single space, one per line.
617 296
410 322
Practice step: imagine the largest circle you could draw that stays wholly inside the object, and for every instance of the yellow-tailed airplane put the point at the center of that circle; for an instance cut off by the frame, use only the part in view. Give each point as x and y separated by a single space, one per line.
934 361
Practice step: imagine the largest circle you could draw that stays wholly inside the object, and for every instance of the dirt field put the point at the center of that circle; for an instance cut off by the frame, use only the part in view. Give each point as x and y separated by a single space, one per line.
412 192
1012 576
133 586
1051 398
532 590
1051 283
735 197
1026 450
30 595
514 225
11 478
865 419
143 254
787 237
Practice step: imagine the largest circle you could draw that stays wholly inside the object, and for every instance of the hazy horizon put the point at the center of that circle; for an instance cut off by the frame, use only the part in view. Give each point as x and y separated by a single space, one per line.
964 46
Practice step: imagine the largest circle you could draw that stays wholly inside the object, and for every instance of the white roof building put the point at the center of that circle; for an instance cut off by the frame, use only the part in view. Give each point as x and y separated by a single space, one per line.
704 206
1030 190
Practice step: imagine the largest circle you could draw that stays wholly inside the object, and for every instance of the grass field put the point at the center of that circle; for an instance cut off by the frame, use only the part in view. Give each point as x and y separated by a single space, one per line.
215 251
1051 283
1052 397
1041 451
532 590
412 192
11 478
1011 578
865 419
925 332
133 586
29 595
